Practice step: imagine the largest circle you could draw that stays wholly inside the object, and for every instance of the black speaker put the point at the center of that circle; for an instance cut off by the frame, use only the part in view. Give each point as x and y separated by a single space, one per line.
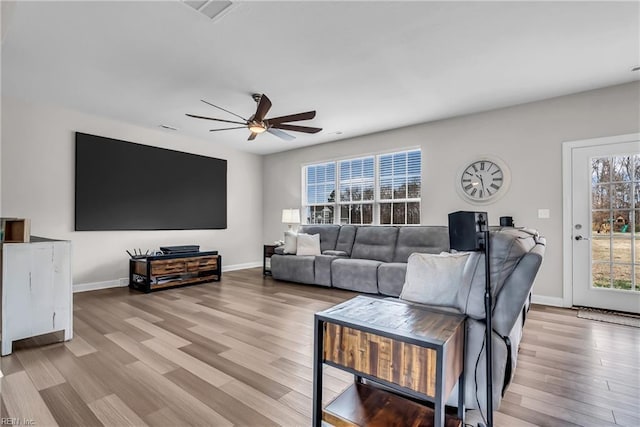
506 221
464 228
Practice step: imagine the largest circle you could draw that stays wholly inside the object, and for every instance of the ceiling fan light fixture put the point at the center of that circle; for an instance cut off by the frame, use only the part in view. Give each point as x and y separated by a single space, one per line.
257 127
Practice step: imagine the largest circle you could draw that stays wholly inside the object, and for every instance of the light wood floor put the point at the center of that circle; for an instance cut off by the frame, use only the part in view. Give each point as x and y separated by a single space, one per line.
239 352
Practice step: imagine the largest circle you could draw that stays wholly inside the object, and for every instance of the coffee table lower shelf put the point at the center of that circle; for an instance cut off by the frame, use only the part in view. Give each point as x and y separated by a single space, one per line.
365 405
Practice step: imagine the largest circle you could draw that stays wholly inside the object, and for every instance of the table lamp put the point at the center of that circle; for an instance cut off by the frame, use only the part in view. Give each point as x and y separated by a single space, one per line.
290 217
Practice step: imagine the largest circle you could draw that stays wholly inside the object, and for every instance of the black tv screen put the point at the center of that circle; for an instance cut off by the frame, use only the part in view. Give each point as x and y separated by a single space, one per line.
125 186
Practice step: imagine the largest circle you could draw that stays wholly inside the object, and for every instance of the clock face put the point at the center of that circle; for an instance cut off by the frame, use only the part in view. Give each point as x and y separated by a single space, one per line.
482 181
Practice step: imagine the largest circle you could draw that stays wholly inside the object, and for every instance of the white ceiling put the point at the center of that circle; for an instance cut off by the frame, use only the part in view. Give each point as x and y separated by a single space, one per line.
364 66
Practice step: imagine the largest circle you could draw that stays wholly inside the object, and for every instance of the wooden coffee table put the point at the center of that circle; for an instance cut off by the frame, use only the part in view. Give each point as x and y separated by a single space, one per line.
413 351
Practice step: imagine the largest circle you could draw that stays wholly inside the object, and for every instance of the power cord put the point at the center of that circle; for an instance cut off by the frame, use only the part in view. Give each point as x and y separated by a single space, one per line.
475 373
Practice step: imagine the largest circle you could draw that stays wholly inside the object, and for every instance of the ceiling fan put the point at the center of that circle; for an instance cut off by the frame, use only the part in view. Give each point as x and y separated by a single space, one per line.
258 124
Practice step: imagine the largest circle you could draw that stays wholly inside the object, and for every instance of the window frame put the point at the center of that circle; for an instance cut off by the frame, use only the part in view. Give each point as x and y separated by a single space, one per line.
306 205
361 202
376 203
403 200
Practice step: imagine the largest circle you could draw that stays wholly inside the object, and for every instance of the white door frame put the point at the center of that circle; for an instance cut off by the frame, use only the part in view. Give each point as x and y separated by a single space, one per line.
567 212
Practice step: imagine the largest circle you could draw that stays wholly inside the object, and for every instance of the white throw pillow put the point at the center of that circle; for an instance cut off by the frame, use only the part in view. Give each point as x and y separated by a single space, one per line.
290 242
308 244
434 279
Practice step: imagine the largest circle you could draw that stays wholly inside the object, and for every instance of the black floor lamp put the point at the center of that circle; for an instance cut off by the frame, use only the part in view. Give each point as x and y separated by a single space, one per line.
469 231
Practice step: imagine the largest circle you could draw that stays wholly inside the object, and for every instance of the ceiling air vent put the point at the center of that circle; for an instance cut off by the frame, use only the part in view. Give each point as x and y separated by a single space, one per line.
210 8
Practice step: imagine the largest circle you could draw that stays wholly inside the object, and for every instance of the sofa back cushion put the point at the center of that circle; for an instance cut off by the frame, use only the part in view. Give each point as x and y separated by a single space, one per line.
375 243
345 239
308 244
508 247
422 239
328 234
434 279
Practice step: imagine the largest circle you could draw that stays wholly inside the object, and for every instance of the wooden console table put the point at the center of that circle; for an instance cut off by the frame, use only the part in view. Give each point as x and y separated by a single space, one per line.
410 350
164 271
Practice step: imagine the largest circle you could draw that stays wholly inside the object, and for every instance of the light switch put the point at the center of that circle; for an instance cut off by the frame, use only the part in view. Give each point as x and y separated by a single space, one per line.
544 213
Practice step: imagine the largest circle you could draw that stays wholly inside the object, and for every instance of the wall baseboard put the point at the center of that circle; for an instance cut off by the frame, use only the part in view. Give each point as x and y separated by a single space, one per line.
94 286
241 266
545 300
120 283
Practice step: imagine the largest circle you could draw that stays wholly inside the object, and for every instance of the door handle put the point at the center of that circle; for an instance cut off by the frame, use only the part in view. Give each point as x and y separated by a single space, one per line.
579 237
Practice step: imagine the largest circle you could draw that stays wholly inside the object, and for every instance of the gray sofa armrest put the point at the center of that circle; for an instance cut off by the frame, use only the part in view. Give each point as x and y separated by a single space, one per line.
514 295
335 253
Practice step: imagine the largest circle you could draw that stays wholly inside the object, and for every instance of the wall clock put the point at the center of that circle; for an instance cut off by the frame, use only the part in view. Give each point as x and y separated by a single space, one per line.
483 180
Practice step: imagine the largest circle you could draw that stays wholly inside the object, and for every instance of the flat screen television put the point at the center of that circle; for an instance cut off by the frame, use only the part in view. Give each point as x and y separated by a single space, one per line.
125 186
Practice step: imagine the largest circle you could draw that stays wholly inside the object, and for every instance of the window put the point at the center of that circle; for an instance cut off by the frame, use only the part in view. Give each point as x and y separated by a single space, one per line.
382 189
357 191
321 193
399 183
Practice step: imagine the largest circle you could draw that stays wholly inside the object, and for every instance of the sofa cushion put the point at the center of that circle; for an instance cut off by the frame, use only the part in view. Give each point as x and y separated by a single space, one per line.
290 242
322 267
375 243
308 244
514 298
423 239
391 278
345 238
293 268
508 246
328 234
434 279
359 275
335 253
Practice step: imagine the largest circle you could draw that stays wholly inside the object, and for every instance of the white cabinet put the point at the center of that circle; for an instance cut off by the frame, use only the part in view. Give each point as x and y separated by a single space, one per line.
36 290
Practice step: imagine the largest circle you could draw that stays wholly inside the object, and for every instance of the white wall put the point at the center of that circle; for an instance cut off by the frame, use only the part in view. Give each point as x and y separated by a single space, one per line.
38 155
527 137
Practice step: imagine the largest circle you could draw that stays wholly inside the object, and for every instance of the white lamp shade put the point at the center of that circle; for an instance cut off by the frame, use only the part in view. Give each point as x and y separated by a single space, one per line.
291 216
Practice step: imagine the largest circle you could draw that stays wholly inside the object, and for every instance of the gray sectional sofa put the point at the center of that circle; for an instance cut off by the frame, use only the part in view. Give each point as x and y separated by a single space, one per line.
368 259
373 259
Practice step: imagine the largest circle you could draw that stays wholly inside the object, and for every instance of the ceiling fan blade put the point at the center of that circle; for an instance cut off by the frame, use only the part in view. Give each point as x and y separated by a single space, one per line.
281 134
252 136
217 120
227 111
305 129
263 108
293 117
238 127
